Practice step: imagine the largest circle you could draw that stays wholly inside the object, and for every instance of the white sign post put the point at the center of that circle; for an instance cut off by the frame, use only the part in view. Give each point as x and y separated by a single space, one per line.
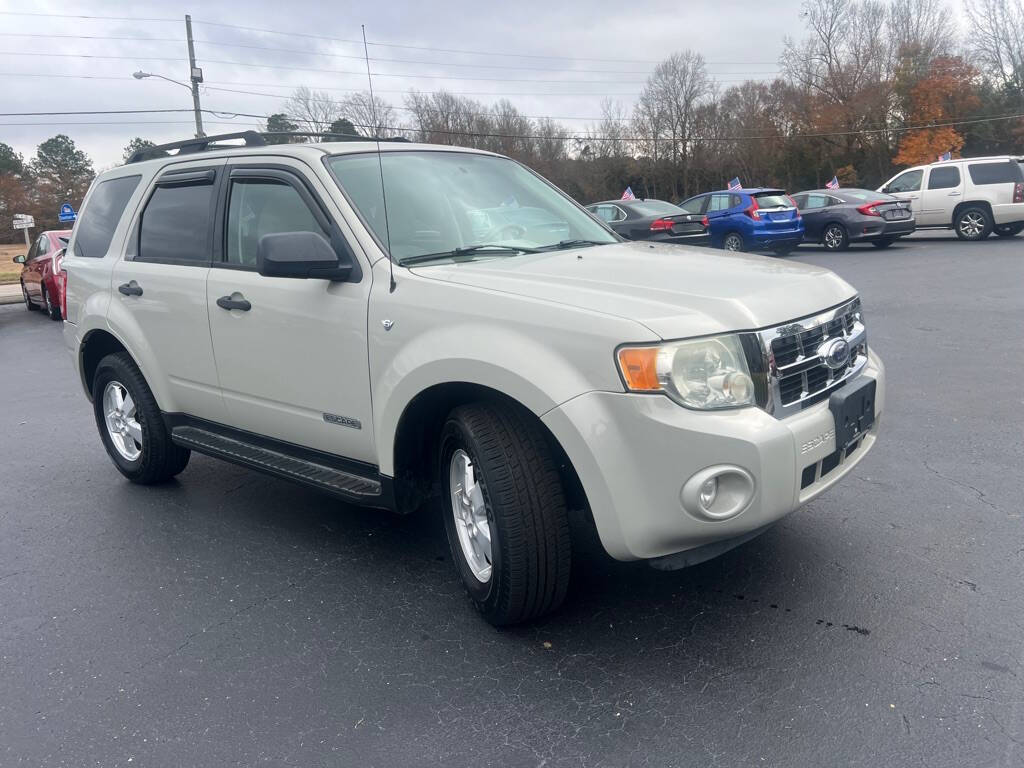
24 222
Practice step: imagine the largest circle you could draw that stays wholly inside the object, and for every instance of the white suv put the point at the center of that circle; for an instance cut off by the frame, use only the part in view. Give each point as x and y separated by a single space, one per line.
974 196
392 323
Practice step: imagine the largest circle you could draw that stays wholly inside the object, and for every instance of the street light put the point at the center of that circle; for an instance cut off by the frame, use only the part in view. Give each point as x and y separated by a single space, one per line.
194 88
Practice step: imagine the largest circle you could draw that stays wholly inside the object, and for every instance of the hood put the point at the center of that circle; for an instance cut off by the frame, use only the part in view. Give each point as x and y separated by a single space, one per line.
676 291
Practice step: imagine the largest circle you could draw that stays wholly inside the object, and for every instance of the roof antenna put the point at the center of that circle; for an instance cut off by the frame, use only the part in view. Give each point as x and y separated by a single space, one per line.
380 163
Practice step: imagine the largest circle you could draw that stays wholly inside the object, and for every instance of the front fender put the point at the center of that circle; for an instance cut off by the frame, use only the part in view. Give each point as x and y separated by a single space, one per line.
533 373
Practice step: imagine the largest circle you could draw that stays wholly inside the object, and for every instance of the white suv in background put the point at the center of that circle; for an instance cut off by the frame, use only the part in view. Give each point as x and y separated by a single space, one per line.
974 196
392 323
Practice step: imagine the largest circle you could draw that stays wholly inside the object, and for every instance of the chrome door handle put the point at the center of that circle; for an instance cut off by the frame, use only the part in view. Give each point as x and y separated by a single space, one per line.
226 302
954 194
131 288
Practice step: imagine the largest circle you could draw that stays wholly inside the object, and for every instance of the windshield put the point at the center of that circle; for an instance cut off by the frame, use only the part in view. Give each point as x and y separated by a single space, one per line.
445 202
656 208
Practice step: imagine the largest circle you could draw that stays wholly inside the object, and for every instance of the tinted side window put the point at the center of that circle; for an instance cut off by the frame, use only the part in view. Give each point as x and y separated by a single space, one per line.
995 173
261 207
694 205
176 223
907 182
735 200
815 200
95 227
44 246
944 177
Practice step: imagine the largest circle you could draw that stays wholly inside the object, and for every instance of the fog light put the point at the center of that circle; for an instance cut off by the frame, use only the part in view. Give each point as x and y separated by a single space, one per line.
718 493
708 492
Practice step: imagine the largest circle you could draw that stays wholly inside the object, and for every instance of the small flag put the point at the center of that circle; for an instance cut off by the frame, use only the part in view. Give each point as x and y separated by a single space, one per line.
945 156
834 184
628 194
735 185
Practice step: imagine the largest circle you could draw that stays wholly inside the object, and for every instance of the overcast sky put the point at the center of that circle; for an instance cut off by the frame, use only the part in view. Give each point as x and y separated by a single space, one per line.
738 39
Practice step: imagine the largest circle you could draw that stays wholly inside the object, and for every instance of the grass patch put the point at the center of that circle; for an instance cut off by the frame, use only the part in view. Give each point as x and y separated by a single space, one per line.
9 271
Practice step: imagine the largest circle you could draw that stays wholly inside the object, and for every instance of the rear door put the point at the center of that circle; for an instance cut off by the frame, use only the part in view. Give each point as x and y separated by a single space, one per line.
943 189
717 211
814 207
159 287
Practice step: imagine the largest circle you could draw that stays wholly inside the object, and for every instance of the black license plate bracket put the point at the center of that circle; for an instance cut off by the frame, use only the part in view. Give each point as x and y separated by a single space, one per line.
853 408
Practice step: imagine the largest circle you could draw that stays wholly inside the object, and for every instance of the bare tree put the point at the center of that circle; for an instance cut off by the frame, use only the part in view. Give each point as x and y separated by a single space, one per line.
312 111
374 117
997 38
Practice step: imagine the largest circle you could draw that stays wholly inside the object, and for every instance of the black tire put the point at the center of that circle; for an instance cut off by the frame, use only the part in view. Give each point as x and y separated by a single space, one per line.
29 304
160 459
531 549
734 242
883 242
973 223
835 238
48 307
1008 230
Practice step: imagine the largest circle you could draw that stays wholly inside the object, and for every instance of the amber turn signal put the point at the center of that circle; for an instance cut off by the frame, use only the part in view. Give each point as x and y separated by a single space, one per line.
639 366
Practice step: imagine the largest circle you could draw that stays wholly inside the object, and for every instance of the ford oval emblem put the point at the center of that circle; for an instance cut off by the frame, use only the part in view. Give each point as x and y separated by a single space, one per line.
835 353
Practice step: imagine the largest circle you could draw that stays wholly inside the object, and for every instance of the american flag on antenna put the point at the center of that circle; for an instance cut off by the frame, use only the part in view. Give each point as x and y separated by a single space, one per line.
628 194
945 156
735 185
834 184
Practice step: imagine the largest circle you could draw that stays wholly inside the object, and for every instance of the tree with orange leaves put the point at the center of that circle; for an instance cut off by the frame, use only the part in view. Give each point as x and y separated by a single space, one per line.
945 93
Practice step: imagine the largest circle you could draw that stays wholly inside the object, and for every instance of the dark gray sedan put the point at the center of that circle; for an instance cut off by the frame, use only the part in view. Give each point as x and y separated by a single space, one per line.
837 217
653 220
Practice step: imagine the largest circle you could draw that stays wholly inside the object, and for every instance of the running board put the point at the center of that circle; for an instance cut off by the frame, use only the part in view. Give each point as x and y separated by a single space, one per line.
349 486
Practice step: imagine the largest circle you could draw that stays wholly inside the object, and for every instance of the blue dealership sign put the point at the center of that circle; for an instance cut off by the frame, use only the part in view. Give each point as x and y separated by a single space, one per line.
67 213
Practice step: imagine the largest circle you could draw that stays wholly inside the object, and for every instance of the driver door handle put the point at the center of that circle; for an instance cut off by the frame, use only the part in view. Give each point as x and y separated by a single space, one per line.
130 288
226 302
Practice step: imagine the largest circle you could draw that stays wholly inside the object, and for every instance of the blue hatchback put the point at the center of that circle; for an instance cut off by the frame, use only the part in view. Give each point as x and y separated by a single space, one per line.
750 219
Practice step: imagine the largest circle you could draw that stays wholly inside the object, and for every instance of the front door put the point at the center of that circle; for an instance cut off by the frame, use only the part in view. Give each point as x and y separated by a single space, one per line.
943 190
907 186
159 288
293 364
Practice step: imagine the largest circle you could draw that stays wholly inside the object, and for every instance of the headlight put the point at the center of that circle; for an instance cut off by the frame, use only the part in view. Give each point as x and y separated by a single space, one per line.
703 373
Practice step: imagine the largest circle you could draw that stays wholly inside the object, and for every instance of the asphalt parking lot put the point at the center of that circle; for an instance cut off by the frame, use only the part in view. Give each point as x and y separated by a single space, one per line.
231 618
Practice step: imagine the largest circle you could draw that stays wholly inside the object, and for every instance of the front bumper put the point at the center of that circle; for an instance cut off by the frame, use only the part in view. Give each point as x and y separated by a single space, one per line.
633 453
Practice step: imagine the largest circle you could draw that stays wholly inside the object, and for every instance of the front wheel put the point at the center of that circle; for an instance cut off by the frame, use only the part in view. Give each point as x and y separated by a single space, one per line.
834 238
1009 230
883 242
973 223
130 424
504 512
733 242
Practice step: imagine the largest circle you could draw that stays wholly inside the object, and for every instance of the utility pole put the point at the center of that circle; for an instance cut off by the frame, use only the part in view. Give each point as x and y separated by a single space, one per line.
195 77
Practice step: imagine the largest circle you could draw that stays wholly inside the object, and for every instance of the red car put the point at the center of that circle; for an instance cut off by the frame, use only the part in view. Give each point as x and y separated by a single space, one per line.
42 283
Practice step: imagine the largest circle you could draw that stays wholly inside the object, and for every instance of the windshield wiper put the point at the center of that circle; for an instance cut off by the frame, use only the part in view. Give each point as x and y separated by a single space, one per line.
572 244
468 250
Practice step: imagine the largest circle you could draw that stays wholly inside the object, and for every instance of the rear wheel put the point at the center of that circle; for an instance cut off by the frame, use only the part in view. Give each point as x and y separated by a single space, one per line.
504 512
734 242
49 307
1009 230
834 238
973 223
883 242
131 425
29 304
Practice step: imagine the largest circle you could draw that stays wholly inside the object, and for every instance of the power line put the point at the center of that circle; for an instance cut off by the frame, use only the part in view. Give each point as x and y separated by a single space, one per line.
81 16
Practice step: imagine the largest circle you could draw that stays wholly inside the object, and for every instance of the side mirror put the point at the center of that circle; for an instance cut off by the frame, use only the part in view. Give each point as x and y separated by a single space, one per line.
884 189
301 255
19 259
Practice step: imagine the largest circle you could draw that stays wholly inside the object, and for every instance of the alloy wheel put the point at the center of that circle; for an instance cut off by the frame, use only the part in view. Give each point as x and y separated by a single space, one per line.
972 224
733 243
833 238
470 513
122 422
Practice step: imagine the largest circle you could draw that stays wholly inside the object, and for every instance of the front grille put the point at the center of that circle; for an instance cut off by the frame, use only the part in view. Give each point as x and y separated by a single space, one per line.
798 375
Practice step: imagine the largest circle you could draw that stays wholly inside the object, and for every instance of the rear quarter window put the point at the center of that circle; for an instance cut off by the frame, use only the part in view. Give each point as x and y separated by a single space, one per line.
95 227
995 173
